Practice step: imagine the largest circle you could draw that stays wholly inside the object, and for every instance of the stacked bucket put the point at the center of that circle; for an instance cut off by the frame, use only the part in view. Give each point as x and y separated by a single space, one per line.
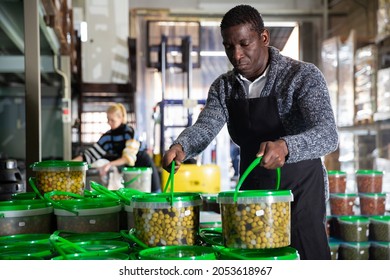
358 226
65 220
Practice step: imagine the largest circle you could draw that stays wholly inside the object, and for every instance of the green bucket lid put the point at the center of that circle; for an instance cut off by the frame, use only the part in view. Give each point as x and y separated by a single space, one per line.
283 253
211 236
89 236
166 200
372 195
250 196
19 208
343 195
24 196
59 165
353 220
177 253
336 173
381 244
86 203
25 239
39 250
380 219
94 256
112 246
357 245
368 172
137 169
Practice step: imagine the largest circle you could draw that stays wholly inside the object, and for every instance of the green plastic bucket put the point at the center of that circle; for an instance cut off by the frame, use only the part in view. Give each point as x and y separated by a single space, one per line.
354 228
177 253
283 253
369 181
354 250
165 219
337 181
379 250
256 219
57 175
379 228
25 216
83 215
138 178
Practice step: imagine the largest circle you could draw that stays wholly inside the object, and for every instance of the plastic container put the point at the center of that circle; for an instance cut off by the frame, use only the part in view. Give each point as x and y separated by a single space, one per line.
380 228
354 228
82 215
138 178
337 181
369 181
354 251
285 253
25 216
372 203
256 219
66 176
342 204
165 219
177 253
380 251
334 250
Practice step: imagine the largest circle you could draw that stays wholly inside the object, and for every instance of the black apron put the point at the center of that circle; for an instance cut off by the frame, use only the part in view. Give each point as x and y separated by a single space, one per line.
253 121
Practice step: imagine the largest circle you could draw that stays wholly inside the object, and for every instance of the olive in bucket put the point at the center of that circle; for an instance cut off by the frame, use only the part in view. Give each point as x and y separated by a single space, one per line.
256 219
168 218
57 175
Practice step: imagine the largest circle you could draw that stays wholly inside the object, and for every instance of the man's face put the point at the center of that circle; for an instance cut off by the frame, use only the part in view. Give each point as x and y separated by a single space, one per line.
246 49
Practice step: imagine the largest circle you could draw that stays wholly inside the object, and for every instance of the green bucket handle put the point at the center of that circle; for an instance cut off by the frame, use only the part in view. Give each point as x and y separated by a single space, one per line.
114 195
170 181
104 191
126 184
31 180
125 199
248 170
56 242
59 205
130 235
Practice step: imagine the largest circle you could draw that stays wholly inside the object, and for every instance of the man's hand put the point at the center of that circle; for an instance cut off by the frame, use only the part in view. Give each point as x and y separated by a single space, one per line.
175 153
274 153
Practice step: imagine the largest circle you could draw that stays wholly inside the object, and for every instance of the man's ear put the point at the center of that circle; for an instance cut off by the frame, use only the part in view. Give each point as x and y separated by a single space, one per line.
265 37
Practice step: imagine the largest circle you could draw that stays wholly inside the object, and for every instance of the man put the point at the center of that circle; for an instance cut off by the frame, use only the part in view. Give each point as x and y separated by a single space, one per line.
277 108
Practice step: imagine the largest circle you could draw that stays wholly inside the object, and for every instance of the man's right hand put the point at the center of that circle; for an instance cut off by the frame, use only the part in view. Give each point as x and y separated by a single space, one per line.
175 153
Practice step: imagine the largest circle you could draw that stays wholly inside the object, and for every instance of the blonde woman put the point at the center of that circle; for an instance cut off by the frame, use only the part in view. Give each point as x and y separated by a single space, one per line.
119 146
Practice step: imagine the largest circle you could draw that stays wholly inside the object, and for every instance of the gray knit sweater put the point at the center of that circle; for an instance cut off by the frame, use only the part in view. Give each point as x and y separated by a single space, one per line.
303 102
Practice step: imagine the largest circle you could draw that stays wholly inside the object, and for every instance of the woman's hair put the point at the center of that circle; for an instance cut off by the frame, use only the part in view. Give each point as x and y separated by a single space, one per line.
243 14
118 109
